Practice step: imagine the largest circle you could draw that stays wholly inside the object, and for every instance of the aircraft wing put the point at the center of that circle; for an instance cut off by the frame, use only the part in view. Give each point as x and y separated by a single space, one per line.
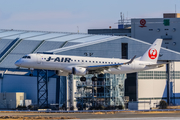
160 64
106 67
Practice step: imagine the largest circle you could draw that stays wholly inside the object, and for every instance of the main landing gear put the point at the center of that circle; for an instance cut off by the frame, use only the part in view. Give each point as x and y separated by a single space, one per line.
83 78
94 78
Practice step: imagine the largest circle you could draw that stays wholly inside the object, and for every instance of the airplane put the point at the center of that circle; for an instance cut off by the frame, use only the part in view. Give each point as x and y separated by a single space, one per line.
78 65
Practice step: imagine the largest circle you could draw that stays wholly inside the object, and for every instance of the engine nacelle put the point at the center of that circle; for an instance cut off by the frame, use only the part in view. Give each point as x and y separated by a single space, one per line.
61 73
79 71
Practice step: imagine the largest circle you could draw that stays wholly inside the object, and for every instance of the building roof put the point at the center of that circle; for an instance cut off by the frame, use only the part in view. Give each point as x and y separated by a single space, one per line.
16 43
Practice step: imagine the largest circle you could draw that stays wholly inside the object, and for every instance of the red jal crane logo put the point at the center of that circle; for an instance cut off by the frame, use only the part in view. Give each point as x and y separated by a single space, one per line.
152 53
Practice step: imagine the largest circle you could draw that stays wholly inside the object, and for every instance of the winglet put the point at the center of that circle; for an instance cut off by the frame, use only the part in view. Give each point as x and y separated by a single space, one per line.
131 60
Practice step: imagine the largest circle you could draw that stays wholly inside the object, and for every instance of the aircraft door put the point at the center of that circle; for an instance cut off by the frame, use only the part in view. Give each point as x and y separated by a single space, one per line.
39 60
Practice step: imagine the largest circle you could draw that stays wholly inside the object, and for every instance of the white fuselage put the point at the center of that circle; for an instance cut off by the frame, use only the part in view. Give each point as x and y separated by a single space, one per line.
65 63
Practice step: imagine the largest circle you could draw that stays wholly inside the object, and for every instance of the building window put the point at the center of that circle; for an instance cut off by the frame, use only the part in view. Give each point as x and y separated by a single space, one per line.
150 29
124 50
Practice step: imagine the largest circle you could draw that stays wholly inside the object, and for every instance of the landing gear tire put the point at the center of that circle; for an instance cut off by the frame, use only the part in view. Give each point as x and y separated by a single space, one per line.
83 78
31 74
94 78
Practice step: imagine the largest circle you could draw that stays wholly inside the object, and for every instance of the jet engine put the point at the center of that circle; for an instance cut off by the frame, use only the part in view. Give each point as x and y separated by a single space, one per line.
79 71
61 73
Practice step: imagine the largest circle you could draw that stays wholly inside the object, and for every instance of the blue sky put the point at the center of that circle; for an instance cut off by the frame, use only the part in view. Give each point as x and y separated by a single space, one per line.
66 15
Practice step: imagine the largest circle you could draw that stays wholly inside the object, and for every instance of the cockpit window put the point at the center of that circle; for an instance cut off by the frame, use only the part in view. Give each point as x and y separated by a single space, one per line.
27 57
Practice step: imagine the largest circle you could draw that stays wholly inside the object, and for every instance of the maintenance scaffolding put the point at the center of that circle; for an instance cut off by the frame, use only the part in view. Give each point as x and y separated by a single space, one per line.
108 90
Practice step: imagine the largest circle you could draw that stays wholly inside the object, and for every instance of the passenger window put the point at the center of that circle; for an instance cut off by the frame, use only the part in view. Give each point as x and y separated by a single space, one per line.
99 61
82 60
24 56
86 60
96 61
74 60
106 62
89 61
93 61
78 60
102 62
109 62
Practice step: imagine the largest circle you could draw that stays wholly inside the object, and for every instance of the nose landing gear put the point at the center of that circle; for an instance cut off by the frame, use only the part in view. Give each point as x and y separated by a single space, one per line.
31 71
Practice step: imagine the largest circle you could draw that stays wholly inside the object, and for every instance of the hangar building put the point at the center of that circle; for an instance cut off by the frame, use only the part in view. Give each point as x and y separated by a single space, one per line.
152 85
148 29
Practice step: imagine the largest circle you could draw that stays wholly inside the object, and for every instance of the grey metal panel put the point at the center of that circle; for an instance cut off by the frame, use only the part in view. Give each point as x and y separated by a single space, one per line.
4 43
30 34
11 37
52 91
112 48
9 61
70 37
48 36
91 38
85 44
49 45
8 33
71 43
26 46
108 49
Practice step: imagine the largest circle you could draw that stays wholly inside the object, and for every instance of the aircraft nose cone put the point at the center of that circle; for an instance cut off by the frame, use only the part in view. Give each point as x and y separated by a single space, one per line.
18 63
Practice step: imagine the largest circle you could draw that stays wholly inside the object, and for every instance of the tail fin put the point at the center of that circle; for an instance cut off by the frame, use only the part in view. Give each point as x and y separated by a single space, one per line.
152 53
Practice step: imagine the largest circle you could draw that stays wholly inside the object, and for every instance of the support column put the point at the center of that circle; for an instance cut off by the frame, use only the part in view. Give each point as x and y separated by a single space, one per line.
168 82
42 88
57 89
63 92
71 91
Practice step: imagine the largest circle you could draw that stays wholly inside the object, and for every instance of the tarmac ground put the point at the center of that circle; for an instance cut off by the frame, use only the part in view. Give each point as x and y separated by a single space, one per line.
97 115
